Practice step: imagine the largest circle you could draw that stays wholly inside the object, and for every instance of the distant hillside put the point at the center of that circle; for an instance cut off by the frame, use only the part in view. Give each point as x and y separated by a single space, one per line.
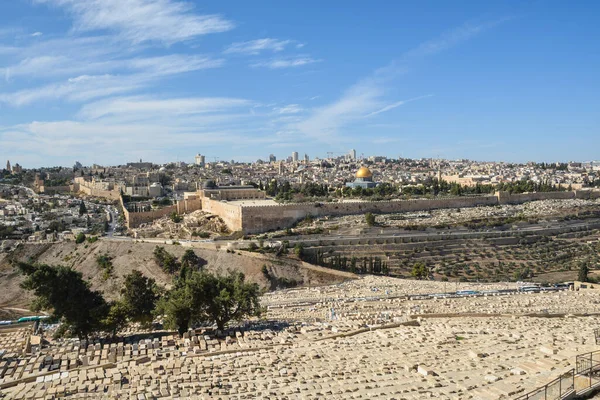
128 256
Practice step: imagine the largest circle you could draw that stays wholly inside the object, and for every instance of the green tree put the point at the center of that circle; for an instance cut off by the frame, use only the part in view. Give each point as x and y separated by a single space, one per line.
80 238
63 291
165 260
139 295
177 308
116 318
370 219
420 271
206 298
104 261
82 209
299 250
582 274
191 260
176 217
221 299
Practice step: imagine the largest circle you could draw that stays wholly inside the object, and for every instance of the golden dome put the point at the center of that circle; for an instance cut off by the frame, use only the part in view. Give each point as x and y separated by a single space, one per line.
364 172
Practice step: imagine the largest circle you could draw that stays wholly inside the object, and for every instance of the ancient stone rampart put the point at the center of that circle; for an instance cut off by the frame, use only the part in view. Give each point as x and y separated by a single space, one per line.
229 213
264 218
135 219
90 191
255 219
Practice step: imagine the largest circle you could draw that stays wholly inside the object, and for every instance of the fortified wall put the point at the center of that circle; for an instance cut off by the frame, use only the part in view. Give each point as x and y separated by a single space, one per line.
230 214
256 219
135 219
81 185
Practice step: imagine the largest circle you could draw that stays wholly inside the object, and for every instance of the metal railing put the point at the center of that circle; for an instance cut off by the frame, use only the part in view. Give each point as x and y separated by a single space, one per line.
559 388
584 376
588 367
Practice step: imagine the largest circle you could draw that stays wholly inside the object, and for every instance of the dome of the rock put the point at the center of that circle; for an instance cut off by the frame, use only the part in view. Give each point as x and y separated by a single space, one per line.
364 172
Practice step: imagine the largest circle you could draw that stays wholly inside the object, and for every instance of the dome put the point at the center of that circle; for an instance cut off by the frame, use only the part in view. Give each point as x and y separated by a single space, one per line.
364 172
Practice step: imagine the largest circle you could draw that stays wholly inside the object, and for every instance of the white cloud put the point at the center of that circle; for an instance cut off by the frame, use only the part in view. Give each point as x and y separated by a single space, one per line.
138 21
286 62
81 88
36 34
452 38
173 64
366 98
397 104
254 47
289 109
151 106
355 103
142 72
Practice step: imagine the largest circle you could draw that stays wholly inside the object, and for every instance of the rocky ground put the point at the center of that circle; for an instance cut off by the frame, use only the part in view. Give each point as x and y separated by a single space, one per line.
129 255
195 225
382 340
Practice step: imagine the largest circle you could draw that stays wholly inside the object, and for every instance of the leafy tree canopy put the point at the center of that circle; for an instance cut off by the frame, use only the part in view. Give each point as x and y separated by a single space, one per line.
63 291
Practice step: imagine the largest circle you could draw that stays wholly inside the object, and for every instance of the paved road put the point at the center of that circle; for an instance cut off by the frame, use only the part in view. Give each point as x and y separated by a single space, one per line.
112 224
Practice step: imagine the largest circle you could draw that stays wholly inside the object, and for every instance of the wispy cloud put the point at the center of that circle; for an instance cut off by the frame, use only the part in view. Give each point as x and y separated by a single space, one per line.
292 62
135 73
254 47
397 104
453 37
138 21
150 106
81 88
289 109
366 98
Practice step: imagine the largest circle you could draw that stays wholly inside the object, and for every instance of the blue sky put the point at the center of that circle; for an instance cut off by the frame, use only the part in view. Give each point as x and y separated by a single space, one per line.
111 81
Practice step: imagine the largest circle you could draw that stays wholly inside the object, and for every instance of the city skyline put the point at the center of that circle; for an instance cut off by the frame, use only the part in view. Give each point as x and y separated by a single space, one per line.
110 82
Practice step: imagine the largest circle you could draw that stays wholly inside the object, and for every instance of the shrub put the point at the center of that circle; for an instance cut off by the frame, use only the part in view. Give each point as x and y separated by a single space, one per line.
80 238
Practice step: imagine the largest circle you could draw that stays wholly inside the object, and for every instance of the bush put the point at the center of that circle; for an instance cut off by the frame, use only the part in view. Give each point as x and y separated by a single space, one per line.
176 217
370 219
104 261
92 239
299 250
420 271
80 238
165 260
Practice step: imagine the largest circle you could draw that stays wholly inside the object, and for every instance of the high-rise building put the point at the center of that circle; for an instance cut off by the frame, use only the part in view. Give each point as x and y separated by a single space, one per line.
200 160
353 155
8 166
295 156
306 158
280 168
272 158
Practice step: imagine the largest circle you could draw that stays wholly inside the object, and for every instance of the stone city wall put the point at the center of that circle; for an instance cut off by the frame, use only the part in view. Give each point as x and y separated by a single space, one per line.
229 213
256 219
135 219
264 218
54 189
91 191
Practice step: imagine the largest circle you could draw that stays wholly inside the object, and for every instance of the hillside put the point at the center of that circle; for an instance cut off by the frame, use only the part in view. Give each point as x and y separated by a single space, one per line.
128 256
